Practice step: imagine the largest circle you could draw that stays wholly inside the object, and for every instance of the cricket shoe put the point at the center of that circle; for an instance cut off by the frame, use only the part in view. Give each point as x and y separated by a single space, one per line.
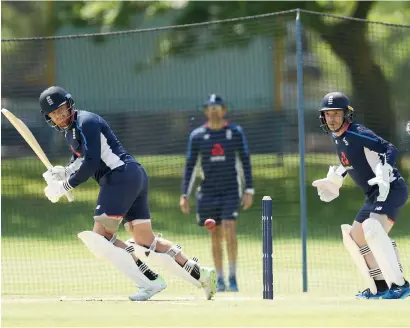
397 292
233 285
368 295
221 285
145 293
208 281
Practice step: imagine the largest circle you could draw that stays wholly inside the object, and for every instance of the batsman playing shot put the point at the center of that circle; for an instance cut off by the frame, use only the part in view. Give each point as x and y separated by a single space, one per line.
222 151
123 197
370 162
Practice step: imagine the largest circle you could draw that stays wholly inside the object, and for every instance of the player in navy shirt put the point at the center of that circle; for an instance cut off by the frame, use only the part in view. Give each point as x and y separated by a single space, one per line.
123 196
371 163
223 153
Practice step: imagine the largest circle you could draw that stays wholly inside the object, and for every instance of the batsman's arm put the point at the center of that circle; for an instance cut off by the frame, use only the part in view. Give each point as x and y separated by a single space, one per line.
91 130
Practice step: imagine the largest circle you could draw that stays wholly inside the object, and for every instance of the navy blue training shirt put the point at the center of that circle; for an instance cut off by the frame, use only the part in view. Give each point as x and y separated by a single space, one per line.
91 138
224 160
360 150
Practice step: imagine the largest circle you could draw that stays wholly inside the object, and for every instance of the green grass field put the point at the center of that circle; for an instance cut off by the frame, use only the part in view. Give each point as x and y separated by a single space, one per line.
47 272
224 311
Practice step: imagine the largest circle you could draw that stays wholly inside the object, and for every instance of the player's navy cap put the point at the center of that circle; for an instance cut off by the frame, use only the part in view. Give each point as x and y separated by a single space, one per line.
214 100
335 100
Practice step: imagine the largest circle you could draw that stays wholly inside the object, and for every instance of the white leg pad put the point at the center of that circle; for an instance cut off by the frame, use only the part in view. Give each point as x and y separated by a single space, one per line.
383 251
118 257
166 261
357 257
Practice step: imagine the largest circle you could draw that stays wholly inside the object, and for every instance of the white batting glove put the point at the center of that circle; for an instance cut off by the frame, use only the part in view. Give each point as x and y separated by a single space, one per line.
328 188
382 179
60 173
49 176
56 189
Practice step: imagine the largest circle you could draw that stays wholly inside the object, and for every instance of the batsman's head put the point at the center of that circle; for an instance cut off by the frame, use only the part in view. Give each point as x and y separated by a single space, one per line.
57 107
214 107
335 112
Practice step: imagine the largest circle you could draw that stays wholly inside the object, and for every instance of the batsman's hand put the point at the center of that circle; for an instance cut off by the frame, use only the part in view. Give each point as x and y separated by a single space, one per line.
56 173
247 200
56 189
184 204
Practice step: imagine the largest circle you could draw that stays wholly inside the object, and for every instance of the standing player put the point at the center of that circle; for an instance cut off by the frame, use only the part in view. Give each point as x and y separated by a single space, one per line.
224 157
123 196
370 162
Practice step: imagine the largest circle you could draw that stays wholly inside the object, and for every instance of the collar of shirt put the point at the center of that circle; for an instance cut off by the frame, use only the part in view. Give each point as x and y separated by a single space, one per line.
343 134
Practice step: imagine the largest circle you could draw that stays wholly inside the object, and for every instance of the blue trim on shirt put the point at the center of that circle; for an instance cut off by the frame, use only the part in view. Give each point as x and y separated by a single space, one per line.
362 136
189 152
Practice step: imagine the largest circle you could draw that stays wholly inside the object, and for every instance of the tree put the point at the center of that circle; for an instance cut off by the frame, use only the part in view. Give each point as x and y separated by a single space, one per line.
107 15
371 88
370 85
24 18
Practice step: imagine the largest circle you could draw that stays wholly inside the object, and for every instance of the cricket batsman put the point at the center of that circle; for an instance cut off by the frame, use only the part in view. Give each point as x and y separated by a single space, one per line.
123 197
370 162
224 159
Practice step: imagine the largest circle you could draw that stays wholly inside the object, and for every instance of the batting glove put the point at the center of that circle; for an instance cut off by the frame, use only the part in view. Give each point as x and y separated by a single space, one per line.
383 173
56 189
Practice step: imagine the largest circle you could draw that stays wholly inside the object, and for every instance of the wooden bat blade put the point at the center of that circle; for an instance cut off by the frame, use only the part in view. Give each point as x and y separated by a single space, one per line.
31 140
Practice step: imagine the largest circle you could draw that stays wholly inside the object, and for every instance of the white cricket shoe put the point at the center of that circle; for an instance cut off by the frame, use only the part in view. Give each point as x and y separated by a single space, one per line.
209 282
145 293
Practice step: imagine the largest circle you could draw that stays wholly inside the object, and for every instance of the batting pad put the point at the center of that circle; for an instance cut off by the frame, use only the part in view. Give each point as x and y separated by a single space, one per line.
118 257
383 251
357 257
167 261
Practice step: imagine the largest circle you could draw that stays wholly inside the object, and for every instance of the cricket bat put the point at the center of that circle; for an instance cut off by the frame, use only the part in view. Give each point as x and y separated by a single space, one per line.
31 140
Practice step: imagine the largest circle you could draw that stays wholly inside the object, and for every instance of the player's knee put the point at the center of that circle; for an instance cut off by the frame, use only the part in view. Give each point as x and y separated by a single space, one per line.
100 230
384 220
372 228
110 223
217 235
356 233
378 217
229 228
